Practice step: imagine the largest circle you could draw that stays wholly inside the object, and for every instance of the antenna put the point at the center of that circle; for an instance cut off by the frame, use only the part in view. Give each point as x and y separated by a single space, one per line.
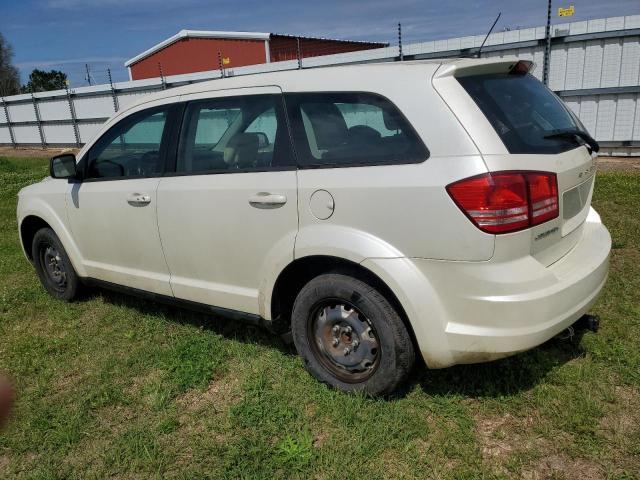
489 33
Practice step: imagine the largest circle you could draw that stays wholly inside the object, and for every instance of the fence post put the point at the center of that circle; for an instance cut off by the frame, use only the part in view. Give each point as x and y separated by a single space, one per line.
298 53
6 114
547 46
114 95
220 64
72 113
88 78
37 112
400 42
164 84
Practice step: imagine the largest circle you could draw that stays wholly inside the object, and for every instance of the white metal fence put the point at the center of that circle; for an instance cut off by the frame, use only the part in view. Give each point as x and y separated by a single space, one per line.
594 66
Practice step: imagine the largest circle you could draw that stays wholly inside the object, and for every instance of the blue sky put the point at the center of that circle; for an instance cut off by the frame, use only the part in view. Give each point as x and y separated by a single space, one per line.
66 34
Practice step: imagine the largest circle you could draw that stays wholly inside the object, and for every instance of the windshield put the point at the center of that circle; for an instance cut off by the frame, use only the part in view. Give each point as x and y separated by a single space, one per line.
523 112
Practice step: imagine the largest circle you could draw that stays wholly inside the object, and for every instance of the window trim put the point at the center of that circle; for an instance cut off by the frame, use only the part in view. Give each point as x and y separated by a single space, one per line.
293 117
283 137
165 143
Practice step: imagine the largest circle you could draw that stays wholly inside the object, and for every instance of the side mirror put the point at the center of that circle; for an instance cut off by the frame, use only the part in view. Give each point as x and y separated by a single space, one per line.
63 166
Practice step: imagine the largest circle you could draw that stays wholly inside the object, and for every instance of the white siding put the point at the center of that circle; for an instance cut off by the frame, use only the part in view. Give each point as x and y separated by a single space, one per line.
611 59
592 64
606 117
575 67
625 116
630 68
59 134
589 113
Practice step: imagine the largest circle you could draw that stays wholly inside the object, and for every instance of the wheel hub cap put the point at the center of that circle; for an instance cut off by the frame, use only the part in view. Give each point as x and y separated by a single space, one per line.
346 339
55 267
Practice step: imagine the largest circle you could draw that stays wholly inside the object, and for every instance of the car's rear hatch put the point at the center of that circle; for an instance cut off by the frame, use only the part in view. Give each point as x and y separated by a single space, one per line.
520 125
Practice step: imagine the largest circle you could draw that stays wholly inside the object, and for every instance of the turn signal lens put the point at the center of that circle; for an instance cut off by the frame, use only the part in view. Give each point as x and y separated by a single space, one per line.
504 202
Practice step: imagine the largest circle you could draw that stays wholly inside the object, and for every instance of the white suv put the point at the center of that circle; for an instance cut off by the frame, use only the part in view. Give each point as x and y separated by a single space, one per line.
377 212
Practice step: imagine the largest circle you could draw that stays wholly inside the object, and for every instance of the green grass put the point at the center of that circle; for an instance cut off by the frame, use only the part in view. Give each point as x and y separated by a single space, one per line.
118 387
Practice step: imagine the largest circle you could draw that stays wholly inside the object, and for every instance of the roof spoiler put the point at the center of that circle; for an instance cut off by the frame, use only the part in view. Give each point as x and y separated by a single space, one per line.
482 66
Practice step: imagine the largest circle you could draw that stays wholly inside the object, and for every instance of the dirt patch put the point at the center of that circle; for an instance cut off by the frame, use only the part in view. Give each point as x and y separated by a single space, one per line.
560 466
35 152
619 164
115 419
67 381
500 436
4 464
220 395
320 439
139 383
622 422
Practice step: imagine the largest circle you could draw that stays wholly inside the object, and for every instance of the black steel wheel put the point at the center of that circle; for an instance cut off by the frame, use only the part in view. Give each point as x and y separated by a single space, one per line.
55 271
346 341
350 336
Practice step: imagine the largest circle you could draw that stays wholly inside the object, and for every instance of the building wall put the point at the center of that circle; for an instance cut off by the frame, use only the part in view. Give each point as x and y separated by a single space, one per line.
284 47
190 55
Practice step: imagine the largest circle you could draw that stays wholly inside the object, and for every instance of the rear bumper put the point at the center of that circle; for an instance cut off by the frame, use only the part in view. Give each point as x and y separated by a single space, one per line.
474 312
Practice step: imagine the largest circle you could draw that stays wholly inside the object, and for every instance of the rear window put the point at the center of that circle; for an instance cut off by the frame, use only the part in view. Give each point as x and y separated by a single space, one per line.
349 129
523 111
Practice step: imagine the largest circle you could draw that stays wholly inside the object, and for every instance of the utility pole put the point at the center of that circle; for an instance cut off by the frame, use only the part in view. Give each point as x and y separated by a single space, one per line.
547 47
400 42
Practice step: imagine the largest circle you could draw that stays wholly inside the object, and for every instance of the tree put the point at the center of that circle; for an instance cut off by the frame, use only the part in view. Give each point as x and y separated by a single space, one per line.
41 81
9 78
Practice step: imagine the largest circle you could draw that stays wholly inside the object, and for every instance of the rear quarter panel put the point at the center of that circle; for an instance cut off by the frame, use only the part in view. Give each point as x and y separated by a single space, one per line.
396 210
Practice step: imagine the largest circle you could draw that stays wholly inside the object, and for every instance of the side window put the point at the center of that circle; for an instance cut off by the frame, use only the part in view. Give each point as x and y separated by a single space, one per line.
340 129
131 148
233 134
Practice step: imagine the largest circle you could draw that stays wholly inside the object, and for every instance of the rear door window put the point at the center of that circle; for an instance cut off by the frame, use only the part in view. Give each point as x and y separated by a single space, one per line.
343 129
523 112
233 134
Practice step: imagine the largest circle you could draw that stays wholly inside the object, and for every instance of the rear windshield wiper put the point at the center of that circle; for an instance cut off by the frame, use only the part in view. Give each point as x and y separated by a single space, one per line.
573 133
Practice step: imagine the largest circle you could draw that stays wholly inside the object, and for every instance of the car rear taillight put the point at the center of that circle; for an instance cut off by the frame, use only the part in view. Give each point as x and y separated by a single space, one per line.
543 196
503 202
522 67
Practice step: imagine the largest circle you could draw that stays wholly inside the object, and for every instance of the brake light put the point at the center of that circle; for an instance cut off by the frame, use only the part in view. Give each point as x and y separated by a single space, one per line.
543 196
504 202
522 67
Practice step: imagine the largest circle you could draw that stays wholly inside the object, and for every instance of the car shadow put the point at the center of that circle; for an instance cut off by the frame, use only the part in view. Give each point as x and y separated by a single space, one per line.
494 379
504 377
228 328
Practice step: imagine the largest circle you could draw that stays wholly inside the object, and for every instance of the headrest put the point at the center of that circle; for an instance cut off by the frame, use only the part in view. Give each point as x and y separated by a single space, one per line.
242 150
391 120
328 124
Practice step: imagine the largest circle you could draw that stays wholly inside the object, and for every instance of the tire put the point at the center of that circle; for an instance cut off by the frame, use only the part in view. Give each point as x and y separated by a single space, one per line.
53 266
334 312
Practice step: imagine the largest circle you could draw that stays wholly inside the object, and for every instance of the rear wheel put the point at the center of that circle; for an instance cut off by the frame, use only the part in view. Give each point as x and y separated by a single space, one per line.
53 266
350 336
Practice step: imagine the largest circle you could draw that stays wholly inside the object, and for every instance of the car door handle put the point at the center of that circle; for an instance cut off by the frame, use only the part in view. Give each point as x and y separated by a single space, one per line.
267 200
138 199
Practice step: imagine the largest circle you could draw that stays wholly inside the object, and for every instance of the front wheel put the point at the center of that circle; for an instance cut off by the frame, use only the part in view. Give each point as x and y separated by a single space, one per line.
53 266
350 336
